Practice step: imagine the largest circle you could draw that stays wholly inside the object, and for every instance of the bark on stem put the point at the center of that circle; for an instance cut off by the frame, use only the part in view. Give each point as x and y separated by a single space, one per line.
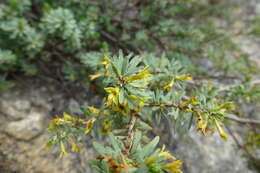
130 135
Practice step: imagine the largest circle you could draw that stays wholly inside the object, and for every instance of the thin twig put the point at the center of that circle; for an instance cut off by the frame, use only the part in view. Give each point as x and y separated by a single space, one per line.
178 106
241 146
242 120
228 116
125 47
228 87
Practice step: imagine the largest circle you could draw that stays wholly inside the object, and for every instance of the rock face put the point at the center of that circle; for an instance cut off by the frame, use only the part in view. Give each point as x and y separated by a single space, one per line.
24 116
26 128
249 44
210 154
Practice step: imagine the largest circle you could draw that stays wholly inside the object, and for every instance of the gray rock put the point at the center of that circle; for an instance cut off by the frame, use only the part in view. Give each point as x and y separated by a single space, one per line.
24 116
14 108
27 128
210 154
257 9
74 107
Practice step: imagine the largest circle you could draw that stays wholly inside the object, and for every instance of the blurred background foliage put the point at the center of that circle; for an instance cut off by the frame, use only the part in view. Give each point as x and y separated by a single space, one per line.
65 39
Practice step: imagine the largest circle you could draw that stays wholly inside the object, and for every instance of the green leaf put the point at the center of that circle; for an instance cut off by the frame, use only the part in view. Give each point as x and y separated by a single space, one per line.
190 122
132 66
124 65
121 96
99 166
99 148
143 126
150 147
114 143
115 70
143 169
136 141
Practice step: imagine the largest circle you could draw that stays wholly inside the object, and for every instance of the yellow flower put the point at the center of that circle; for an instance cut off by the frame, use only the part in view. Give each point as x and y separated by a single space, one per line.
227 106
68 117
56 121
121 108
75 148
183 77
168 86
94 76
106 126
93 110
201 124
144 74
63 150
150 160
113 94
106 62
89 125
140 100
174 167
220 131
166 154
193 101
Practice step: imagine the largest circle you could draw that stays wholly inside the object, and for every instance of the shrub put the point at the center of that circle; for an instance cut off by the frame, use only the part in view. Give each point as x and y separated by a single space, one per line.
137 95
162 43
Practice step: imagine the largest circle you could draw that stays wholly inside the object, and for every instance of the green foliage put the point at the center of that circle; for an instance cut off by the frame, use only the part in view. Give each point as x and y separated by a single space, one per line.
134 99
61 23
256 26
65 30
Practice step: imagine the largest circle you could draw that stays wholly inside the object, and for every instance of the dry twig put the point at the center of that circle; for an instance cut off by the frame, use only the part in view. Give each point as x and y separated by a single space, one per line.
243 120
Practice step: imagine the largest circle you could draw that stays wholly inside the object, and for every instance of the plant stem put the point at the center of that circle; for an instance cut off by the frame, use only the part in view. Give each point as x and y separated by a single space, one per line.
178 106
243 120
130 135
241 146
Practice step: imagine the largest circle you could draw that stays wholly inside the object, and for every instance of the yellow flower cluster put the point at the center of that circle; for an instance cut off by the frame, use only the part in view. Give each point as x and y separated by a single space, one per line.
220 130
140 100
74 147
166 154
173 166
183 77
94 76
89 125
73 121
113 94
202 124
66 119
63 151
94 110
192 101
106 63
169 85
142 75
106 126
122 108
